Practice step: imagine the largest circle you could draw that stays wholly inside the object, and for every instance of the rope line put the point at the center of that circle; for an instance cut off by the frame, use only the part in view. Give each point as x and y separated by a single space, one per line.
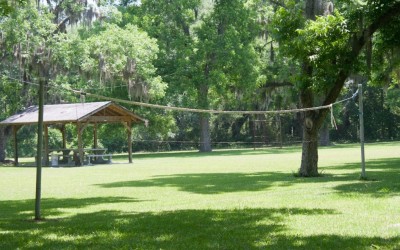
193 110
211 111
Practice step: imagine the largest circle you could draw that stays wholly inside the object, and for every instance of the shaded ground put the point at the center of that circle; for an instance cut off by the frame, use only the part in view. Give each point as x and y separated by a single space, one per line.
116 215
186 229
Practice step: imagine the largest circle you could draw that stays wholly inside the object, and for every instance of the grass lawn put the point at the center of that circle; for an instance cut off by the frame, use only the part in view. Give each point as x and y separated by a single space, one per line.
227 199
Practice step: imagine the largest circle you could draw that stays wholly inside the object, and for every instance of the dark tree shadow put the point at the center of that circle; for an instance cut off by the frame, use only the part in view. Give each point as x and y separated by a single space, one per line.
383 174
218 152
214 183
182 229
21 208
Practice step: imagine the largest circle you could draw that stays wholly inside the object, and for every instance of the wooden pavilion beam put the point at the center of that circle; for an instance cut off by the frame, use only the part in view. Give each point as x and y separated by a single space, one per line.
95 119
79 129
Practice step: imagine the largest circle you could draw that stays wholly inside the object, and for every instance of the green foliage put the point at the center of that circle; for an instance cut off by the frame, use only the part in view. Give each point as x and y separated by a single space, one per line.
10 100
102 56
114 138
320 42
27 141
393 101
7 7
116 45
28 29
380 116
206 55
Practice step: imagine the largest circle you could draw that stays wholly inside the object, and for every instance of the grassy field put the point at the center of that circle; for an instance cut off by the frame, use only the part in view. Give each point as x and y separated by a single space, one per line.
227 199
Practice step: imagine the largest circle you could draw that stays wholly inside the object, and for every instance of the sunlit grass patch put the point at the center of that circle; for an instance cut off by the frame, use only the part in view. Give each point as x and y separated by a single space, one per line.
229 199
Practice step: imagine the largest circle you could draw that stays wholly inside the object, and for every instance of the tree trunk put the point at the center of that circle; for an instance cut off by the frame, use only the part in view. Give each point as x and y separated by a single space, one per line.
309 157
324 139
205 137
311 124
313 8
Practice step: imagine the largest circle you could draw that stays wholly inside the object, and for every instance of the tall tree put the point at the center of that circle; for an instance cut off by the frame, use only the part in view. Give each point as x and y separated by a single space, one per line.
78 44
327 44
206 51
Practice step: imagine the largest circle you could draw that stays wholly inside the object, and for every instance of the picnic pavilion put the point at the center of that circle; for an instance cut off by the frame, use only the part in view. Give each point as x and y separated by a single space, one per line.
80 114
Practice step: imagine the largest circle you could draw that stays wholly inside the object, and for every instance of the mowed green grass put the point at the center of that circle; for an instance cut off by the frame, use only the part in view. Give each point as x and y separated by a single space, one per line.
227 199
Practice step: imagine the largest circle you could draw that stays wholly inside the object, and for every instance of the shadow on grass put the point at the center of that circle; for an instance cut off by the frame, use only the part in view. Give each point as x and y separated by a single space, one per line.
183 229
20 208
218 152
383 177
212 183
383 173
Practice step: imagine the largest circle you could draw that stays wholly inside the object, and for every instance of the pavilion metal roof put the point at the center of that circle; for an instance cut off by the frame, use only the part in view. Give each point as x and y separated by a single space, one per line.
90 112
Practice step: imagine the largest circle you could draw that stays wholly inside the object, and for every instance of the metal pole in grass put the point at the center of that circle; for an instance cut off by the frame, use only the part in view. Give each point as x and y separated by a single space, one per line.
361 114
39 151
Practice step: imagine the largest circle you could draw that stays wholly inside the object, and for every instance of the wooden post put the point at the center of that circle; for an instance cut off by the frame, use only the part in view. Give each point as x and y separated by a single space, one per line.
129 132
80 144
280 131
15 130
361 107
39 150
95 135
64 140
46 145
254 132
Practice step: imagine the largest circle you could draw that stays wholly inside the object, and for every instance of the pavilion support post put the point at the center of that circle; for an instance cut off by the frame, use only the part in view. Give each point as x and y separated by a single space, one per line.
95 135
46 145
79 129
64 140
15 130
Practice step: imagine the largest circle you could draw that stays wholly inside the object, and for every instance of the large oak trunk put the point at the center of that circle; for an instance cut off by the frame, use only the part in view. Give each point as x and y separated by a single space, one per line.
204 120
311 125
205 138
309 157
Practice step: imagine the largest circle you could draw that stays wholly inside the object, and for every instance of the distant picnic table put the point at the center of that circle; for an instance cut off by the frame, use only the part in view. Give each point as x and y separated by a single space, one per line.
70 156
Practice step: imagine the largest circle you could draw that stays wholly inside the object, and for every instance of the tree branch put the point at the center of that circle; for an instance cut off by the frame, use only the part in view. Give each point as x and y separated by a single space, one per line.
60 25
357 43
57 9
277 84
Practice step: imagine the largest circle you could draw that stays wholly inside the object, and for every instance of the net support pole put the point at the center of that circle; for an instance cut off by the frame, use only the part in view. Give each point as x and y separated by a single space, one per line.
39 151
361 114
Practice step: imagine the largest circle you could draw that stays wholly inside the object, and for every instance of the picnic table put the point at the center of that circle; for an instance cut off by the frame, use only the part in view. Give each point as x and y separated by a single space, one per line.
70 156
62 155
97 156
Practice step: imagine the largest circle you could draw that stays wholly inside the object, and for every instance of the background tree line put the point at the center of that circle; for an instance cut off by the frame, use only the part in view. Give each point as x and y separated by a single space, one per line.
208 54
